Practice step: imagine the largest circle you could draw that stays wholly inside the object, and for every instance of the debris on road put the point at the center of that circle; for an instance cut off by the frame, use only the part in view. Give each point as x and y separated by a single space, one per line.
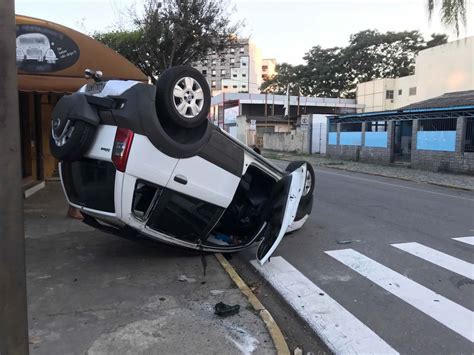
184 278
343 242
225 310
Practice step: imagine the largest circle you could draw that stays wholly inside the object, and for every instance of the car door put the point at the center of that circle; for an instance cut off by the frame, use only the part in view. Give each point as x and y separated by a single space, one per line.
280 211
206 181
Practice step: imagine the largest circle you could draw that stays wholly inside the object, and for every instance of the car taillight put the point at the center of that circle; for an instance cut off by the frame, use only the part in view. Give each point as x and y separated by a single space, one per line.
122 145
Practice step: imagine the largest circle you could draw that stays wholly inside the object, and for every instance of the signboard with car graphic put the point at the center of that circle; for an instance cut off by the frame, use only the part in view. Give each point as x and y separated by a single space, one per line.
43 50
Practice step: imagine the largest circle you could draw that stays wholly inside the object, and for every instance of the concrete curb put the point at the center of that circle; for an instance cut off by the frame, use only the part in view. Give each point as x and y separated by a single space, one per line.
386 176
273 328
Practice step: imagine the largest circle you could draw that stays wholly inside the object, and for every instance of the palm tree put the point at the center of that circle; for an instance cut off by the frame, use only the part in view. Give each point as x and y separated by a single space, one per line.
453 12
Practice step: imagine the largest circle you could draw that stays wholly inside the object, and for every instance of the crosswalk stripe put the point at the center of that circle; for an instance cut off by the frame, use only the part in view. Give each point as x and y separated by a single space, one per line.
467 240
445 311
436 257
340 330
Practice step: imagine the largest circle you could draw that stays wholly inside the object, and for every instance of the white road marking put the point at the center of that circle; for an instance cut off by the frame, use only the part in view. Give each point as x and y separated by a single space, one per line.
436 257
445 311
467 240
340 330
387 183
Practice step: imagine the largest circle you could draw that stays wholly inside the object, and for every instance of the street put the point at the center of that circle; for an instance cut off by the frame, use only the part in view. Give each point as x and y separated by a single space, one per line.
376 268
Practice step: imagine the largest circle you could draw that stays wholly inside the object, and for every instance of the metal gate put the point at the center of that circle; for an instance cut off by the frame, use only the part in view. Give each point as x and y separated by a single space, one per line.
319 129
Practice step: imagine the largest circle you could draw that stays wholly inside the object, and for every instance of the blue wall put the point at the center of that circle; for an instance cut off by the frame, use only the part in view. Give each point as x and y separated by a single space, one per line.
350 138
436 140
376 139
332 139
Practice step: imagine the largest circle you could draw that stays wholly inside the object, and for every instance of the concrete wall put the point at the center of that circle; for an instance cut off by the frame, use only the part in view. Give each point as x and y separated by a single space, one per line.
440 157
361 152
293 141
439 160
438 70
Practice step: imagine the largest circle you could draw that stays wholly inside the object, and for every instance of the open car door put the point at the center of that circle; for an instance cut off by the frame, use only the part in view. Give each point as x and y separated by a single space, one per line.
280 211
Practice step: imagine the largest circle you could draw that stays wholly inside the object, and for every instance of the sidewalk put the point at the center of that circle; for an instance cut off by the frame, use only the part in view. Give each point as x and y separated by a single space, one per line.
93 293
464 182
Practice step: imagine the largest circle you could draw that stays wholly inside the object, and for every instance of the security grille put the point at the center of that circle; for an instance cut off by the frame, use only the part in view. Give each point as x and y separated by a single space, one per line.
469 139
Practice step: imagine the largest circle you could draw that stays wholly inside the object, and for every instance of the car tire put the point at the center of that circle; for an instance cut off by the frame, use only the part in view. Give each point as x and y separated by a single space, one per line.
306 203
74 144
182 97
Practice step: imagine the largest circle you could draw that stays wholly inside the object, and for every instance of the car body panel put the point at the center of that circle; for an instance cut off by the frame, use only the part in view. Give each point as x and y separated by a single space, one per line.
148 163
101 148
293 200
204 180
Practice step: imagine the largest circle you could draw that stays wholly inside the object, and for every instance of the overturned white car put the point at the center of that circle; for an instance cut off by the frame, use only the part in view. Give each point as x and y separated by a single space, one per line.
142 160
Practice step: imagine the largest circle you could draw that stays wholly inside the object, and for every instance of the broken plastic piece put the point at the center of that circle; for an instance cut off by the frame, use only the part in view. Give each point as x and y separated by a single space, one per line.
225 310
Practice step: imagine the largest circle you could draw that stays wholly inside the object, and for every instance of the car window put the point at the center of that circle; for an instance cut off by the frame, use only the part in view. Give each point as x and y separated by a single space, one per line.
183 216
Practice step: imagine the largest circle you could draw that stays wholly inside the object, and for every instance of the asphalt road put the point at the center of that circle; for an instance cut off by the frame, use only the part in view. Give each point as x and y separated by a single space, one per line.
361 292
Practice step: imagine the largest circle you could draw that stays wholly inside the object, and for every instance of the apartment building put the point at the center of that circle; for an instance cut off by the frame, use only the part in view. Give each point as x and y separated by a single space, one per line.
438 70
237 69
268 68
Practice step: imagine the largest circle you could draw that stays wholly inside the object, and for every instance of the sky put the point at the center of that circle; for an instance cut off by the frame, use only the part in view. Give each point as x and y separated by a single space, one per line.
282 29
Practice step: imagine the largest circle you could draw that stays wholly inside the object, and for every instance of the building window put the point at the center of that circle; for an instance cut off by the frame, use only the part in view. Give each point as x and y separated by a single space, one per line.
213 62
244 64
234 75
242 49
234 86
222 71
204 72
222 59
232 50
213 73
412 91
244 86
400 92
213 83
232 60
226 86
244 75
264 67
389 94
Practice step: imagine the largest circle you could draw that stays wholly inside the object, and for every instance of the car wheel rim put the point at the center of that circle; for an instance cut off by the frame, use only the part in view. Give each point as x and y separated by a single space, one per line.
188 97
62 138
307 184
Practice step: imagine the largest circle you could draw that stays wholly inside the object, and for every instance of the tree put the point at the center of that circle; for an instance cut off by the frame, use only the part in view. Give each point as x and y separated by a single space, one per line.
335 72
128 44
453 12
437 40
174 32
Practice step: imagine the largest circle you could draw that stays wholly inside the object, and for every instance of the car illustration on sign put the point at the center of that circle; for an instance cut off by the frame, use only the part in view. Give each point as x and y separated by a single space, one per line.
34 46
143 160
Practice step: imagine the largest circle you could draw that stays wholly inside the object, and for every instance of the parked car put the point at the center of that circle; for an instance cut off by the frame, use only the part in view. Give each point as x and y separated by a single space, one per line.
144 160
34 46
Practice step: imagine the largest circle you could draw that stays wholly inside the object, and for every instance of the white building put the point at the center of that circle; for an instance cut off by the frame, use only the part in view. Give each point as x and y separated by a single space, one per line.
438 70
237 69
268 68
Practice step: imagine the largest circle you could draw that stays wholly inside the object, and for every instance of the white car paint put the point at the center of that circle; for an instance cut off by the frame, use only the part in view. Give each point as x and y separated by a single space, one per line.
148 163
294 197
205 181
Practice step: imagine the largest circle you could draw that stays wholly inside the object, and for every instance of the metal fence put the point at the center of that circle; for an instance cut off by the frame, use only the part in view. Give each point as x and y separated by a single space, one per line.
469 138
437 124
351 127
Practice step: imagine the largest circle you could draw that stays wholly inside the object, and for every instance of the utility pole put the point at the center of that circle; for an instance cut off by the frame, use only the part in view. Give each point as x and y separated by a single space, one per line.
13 311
